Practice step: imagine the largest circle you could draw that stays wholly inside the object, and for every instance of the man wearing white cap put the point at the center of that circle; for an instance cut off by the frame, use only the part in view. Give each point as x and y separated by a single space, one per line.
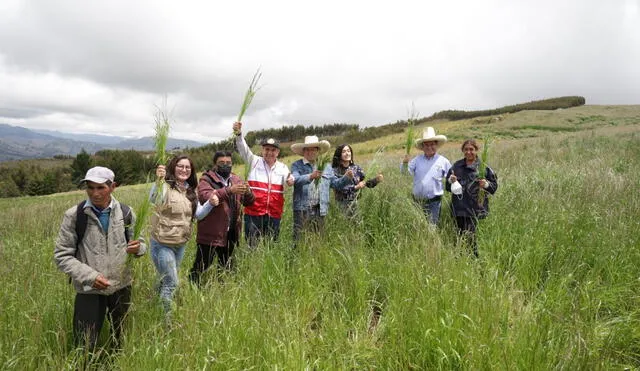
92 247
428 171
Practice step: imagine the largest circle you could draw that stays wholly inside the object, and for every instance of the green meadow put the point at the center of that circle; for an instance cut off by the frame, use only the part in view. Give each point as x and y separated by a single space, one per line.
557 285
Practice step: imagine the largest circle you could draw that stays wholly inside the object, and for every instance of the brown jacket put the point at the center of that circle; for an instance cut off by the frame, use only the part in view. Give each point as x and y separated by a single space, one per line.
214 229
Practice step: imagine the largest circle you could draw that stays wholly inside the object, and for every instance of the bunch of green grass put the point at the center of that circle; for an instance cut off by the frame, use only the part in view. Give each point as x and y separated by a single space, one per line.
322 162
163 126
482 167
248 96
411 135
374 167
247 171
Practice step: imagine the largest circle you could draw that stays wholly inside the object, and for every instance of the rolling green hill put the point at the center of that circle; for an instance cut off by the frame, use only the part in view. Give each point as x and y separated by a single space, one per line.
556 285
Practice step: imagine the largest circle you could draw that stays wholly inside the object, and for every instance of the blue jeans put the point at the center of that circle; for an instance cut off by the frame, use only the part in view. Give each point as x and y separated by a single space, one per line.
309 219
431 209
257 227
167 260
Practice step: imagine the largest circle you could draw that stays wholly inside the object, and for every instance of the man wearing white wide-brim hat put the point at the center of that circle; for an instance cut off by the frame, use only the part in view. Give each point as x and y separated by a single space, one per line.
428 170
311 186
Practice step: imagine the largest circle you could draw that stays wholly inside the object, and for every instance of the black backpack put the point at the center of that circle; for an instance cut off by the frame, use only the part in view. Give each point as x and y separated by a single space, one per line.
81 221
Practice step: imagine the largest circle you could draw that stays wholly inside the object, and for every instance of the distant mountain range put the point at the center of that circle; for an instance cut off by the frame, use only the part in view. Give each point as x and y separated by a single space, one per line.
18 143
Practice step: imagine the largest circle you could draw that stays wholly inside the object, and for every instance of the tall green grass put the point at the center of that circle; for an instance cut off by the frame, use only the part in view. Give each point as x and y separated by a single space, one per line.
556 285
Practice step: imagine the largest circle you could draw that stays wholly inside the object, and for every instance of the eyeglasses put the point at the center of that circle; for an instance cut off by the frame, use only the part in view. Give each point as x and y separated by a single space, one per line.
186 167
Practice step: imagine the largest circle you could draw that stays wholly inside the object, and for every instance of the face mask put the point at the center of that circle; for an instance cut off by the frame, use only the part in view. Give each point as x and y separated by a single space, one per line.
224 170
456 188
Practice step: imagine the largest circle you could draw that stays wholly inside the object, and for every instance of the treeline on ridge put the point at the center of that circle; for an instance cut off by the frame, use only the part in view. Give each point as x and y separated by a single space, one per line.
27 178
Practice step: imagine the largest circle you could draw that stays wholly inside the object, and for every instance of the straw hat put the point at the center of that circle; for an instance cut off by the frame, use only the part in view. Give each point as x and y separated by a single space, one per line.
310 141
430 135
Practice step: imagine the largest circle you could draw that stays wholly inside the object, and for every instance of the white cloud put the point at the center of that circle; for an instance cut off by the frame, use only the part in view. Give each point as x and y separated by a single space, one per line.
101 67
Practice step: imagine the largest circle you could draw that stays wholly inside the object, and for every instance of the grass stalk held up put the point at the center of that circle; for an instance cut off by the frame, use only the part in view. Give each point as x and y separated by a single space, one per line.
248 96
482 168
411 122
322 162
374 167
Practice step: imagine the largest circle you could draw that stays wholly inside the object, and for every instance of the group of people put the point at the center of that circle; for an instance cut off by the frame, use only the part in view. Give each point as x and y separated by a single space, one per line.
95 242
433 174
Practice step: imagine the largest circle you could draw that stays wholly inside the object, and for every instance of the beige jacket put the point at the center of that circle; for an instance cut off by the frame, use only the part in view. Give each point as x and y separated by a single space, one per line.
98 253
171 221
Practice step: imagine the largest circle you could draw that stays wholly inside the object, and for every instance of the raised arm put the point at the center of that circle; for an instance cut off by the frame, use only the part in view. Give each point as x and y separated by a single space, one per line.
241 145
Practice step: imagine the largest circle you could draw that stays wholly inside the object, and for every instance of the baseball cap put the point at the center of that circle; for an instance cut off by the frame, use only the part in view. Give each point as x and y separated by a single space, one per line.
270 142
98 174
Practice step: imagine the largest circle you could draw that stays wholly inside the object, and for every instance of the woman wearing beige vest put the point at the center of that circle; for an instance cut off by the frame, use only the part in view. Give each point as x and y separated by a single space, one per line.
171 222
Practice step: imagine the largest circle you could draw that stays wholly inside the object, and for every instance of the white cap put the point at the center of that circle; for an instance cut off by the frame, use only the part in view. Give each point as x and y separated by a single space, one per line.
99 174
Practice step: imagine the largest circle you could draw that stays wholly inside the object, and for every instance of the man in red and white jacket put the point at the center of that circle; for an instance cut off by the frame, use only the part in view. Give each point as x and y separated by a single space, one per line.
267 179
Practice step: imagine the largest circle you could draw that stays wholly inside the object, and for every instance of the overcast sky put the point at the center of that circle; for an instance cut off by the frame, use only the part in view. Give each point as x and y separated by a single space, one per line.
103 66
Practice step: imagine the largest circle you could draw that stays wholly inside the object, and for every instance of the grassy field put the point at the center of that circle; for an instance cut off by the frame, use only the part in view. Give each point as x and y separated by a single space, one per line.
557 285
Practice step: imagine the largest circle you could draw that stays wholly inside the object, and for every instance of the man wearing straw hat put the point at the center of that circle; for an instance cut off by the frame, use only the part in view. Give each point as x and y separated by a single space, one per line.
428 171
267 178
311 188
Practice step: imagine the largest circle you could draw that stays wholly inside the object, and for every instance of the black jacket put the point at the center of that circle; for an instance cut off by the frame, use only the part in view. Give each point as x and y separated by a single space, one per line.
467 204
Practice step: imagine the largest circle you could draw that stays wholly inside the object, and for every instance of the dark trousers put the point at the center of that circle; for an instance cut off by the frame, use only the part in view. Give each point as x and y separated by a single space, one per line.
309 219
467 230
89 312
206 253
258 227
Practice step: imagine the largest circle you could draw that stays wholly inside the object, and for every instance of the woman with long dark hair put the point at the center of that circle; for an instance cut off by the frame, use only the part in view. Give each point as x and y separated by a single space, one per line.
470 192
343 165
171 222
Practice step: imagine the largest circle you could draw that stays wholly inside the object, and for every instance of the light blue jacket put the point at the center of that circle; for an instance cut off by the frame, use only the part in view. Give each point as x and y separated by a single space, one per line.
301 171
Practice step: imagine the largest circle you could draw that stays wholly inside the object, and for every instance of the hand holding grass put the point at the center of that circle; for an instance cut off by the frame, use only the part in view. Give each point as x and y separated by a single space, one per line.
133 247
315 174
161 171
238 189
237 128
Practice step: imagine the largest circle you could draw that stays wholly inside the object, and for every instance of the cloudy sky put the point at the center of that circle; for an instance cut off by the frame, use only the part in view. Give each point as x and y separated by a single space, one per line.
104 66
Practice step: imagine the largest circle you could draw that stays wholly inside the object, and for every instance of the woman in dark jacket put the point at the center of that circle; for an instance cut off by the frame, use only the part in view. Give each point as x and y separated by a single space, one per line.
342 164
219 231
470 191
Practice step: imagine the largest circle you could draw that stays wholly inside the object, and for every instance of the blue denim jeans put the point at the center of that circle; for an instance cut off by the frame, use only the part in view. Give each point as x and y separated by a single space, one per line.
309 219
431 209
257 227
167 260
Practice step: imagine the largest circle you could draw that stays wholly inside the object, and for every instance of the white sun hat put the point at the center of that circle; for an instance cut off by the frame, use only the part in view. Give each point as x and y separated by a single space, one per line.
429 134
310 141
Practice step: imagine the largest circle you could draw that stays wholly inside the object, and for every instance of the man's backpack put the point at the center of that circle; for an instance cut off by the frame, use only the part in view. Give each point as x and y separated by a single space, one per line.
81 221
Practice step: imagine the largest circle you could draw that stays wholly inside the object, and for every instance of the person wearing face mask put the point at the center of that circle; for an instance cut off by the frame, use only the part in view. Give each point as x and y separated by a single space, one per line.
219 231
343 166
428 171
464 182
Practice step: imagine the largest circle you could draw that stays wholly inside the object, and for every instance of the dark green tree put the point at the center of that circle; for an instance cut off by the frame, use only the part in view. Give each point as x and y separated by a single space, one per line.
80 165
